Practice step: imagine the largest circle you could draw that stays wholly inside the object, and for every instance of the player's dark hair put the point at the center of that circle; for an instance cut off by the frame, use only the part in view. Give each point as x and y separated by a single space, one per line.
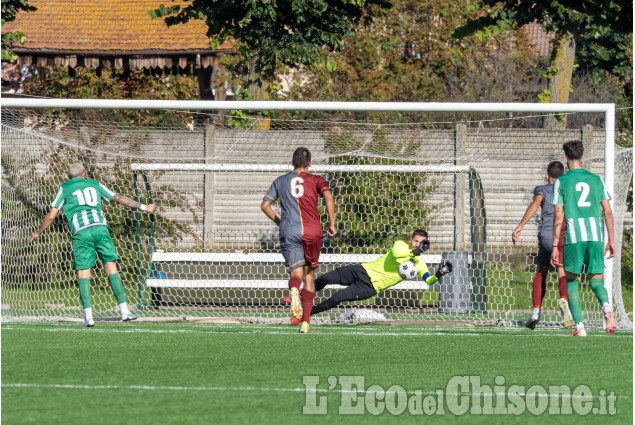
420 232
573 149
301 158
555 169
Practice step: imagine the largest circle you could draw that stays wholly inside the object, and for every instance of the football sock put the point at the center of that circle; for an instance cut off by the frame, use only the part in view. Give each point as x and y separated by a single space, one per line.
124 309
84 292
574 300
307 304
295 282
540 286
562 287
88 313
117 287
600 291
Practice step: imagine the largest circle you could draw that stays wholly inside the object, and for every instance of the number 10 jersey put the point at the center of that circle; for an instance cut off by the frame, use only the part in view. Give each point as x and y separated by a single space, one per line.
81 199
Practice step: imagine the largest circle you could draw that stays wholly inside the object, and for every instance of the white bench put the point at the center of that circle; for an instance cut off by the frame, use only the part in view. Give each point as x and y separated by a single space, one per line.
258 258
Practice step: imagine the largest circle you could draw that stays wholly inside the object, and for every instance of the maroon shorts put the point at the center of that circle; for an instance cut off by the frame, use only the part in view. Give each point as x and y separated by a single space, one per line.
300 250
561 243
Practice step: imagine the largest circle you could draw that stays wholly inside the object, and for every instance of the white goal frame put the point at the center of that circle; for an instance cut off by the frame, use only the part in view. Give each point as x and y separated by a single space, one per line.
608 109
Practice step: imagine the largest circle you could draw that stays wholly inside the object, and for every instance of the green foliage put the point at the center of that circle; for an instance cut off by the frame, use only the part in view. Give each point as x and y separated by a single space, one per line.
406 53
10 8
489 17
372 208
287 32
27 194
627 258
587 20
86 83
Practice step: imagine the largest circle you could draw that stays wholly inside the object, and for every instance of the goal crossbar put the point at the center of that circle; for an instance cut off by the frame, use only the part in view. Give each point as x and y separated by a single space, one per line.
318 168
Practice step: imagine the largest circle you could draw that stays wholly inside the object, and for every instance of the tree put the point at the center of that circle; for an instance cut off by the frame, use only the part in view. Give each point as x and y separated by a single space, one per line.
272 33
10 9
407 54
570 20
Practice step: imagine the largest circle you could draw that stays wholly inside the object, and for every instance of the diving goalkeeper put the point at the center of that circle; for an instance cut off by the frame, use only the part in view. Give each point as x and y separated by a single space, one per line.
366 280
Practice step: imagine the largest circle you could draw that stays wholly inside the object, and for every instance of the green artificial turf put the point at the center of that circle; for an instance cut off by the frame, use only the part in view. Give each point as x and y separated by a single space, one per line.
191 373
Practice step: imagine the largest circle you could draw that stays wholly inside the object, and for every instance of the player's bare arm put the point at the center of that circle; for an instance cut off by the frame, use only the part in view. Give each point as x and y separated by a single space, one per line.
123 200
531 210
330 210
557 226
48 219
608 218
265 206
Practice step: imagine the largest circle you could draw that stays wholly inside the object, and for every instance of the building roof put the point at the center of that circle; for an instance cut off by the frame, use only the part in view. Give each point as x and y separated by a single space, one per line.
106 27
540 38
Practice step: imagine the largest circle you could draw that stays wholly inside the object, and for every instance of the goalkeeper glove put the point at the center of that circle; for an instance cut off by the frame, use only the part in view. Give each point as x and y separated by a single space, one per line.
445 267
423 247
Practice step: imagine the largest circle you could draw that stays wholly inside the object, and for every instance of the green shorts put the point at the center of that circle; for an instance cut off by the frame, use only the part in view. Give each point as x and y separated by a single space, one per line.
89 240
590 254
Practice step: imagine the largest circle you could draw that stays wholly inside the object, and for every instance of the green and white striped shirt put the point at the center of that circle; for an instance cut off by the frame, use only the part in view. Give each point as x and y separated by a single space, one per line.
81 199
581 193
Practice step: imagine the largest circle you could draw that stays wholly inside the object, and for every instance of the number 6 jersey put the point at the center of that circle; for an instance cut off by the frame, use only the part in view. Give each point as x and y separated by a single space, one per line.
298 194
81 199
581 192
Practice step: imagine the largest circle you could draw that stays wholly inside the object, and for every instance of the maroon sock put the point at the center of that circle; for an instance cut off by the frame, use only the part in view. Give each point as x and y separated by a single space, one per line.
307 303
562 287
540 281
295 282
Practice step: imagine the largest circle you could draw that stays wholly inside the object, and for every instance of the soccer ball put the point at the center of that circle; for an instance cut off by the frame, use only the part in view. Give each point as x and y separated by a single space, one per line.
407 270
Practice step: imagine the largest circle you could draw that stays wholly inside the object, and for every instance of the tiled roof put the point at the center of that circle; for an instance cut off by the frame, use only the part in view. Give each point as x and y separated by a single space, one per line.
540 38
110 26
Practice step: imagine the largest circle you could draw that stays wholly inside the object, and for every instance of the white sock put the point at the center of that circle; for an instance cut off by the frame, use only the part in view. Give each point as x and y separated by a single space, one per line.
537 310
579 326
604 306
88 313
124 309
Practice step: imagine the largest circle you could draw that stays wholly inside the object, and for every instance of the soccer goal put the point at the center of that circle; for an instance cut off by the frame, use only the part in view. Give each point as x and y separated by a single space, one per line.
463 172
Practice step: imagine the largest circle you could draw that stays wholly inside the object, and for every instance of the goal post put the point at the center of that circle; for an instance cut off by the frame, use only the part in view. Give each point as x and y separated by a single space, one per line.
466 180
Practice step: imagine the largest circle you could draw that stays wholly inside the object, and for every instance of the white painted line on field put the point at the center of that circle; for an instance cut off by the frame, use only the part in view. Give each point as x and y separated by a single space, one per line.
268 389
343 331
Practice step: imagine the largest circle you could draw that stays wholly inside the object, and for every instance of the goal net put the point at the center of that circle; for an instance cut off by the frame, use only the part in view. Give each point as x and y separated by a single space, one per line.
465 176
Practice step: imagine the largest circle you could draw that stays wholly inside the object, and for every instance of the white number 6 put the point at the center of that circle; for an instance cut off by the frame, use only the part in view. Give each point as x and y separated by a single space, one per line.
297 190
584 188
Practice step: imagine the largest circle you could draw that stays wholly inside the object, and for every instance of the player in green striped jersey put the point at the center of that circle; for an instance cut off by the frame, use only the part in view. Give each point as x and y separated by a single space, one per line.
581 197
81 200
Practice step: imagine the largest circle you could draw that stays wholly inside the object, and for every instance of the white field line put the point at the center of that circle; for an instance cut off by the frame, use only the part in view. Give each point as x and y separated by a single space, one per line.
269 389
290 331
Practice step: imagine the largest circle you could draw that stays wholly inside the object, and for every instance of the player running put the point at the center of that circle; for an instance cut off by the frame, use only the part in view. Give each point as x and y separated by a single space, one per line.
366 280
81 199
581 197
300 228
542 199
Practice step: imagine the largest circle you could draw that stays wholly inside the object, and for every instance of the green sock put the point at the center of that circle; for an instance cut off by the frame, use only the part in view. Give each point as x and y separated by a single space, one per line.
84 292
600 291
574 300
117 287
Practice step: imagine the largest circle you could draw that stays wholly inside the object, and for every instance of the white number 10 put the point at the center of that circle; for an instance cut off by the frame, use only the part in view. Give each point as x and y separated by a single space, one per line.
297 190
584 188
87 197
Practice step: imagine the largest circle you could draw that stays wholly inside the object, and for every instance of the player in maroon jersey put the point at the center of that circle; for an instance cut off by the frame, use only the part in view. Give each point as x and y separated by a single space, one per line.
300 228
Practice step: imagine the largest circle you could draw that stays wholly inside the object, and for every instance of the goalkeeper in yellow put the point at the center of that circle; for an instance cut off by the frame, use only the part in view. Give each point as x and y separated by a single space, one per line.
366 280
